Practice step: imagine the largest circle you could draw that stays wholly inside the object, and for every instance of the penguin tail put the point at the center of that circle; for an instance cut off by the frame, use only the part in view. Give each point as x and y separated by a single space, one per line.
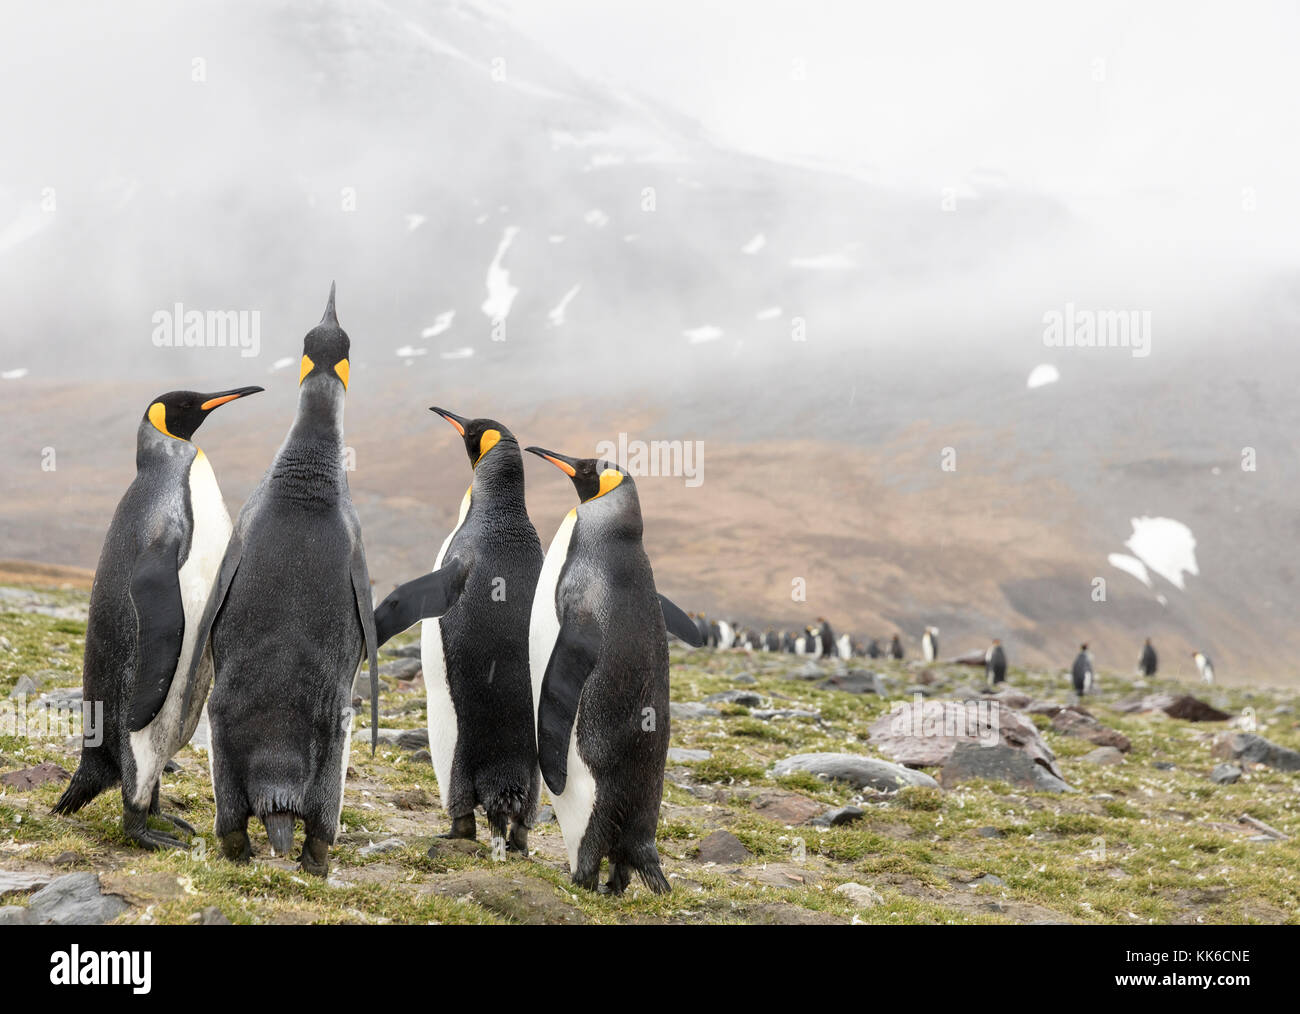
91 778
644 858
279 828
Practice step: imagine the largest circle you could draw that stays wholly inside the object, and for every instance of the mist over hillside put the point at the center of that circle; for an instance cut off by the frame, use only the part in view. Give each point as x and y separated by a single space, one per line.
512 238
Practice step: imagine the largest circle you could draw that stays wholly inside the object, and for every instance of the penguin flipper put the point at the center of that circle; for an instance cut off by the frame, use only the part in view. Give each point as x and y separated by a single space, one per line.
680 624
366 612
160 628
427 596
572 660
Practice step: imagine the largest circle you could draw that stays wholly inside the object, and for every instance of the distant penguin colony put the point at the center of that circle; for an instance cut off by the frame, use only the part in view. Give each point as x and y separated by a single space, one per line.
541 669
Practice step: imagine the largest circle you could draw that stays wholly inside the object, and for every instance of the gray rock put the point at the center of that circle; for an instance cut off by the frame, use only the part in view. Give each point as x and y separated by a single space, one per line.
14 915
422 757
402 669
22 883
1245 746
25 687
860 772
388 737
681 755
722 847
861 895
691 709
839 816
999 763
378 848
855 681
545 815
767 714
413 739
213 916
1225 774
745 698
411 650
925 734
361 688
744 678
74 899
1103 755
988 880
808 671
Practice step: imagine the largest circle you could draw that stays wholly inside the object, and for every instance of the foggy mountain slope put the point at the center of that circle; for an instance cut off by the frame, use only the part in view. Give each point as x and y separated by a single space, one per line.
822 457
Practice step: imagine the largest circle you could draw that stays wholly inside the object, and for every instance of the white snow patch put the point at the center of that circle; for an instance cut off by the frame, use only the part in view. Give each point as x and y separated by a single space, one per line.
481 219
501 294
556 315
705 333
281 363
1166 546
414 221
440 324
771 313
17 374
463 353
555 237
1130 565
1042 375
409 351
596 218
754 245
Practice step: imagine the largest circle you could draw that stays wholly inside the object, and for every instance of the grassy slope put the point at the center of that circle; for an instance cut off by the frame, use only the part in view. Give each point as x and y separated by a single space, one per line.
1136 844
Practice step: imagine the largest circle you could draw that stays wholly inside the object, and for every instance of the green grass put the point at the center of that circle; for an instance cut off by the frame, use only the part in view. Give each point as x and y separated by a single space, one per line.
1134 844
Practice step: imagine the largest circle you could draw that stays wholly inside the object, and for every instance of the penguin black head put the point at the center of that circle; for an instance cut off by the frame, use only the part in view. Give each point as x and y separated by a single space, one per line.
480 435
325 348
591 476
179 413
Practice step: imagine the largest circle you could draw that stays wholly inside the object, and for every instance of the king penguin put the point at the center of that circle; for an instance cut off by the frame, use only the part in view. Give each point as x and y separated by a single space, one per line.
599 656
145 660
476 654
995 664
292 620
1147 663
896 648
1081 673
1204 665
930 644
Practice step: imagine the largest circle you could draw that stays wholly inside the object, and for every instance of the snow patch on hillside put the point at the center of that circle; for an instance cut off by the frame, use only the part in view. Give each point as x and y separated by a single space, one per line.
1166 546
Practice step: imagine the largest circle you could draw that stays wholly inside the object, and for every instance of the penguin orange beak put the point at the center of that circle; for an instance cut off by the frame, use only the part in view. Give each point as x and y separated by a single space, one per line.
451 417
224 396
561 461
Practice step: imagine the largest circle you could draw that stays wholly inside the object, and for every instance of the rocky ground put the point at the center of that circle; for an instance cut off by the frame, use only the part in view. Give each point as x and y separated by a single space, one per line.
784 802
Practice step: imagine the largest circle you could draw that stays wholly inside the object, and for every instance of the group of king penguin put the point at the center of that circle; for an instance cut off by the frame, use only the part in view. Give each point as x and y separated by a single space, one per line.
538 667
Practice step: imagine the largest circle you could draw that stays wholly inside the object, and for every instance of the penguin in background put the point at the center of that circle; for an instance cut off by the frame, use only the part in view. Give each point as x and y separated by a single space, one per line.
825 637
292 620
787 643
844 647
930 644
771 640
1147 663
873 648
702 627
896 648
1081 674
475 655
995 664
145 659
1204 666
726 635
599 658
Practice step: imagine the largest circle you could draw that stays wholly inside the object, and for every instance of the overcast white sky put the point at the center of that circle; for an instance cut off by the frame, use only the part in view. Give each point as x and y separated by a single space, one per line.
1195 101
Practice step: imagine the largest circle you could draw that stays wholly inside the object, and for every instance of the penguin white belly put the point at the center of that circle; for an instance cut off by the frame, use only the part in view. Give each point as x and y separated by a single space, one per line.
845 646
800 643
573 806
544 621
440 709
726 635
348 721
153 746
927 648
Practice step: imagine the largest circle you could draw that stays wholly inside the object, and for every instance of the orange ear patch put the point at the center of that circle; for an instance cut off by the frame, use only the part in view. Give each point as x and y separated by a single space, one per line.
307 367
158 416
487 441
342 369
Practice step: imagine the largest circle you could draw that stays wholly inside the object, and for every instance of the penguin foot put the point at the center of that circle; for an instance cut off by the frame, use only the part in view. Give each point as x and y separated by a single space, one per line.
176 822
156 840
517 841
236 847
315 857
619 877
462 827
